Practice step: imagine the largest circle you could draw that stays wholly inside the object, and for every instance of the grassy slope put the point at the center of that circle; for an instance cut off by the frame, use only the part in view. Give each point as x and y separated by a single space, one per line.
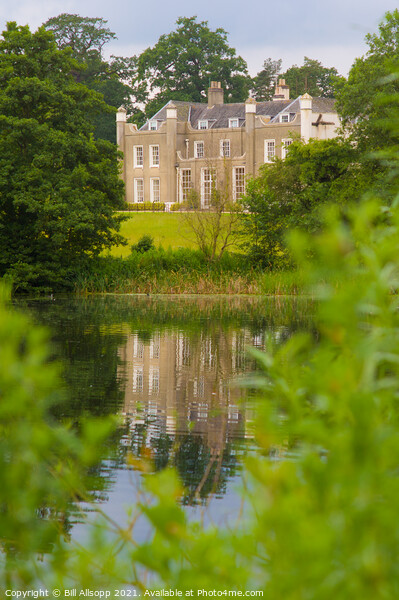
167 230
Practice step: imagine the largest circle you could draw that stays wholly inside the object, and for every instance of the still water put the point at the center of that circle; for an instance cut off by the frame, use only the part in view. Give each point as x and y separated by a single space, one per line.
169 368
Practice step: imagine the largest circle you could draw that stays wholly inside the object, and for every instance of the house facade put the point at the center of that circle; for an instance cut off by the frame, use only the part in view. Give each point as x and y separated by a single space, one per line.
188 146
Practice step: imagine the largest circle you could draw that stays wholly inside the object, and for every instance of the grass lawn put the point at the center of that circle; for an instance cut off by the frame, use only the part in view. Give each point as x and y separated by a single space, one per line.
167 229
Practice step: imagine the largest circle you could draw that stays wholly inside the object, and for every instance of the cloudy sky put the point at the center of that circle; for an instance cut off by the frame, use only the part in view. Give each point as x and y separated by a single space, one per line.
330 31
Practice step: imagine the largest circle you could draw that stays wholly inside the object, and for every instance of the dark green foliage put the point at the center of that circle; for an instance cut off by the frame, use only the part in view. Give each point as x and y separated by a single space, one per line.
114 79
58 187
288 193
182 63
145 243
312 78
156 269
156 260
264 84
365 100
85 36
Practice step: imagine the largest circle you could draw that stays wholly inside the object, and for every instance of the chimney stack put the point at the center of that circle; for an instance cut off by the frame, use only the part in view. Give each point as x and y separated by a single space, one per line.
282 91
215 94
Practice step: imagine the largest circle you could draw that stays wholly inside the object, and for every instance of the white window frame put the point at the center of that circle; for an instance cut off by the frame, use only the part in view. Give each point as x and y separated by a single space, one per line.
269 155
285 144
200 144
155 346
138 347
138 379
207 185
155 195
203 124
234 122
285 118
138 157
225 148
154 155
153 125
184 189
138 189
153 380
238 191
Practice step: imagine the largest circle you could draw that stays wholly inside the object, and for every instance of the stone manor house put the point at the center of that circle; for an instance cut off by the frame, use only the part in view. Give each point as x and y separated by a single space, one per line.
194 146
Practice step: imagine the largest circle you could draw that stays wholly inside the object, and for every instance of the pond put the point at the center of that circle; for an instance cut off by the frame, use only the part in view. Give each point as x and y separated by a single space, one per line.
169 368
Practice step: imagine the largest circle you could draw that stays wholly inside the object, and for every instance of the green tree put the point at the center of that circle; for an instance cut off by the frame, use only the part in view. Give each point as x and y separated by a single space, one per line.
114 79
312 78
84 35
183 62
58 187
288 193
264 83
365 101
215 224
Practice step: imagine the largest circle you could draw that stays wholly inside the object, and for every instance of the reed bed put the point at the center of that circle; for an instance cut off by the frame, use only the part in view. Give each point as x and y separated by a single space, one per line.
184 271
184 282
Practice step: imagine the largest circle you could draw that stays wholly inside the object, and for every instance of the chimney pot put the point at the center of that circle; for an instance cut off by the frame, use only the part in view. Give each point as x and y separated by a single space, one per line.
282 91
215 94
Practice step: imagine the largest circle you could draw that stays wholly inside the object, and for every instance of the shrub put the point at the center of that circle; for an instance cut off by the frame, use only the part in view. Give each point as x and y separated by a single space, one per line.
145 206
145 243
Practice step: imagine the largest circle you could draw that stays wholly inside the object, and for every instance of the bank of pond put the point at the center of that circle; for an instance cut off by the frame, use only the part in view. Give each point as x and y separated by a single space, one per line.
184 271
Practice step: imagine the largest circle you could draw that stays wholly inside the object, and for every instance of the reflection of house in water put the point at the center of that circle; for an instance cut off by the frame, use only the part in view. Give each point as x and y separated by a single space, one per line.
181 408
176 383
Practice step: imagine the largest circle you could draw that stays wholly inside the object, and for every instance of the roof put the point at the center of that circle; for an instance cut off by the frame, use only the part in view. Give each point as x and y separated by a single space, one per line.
218 115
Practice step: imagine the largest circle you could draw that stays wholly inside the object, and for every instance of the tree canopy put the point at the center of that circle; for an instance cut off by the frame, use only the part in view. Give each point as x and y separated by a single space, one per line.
264 83
59 187
182 63
364 100
288 193
312 78
115 79
84 35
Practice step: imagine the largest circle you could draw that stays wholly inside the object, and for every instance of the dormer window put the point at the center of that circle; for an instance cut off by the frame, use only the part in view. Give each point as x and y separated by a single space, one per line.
234 122
285 118
153 125
202 124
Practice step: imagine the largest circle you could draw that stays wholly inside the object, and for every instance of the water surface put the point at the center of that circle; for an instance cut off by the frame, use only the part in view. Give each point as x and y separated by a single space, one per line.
168 367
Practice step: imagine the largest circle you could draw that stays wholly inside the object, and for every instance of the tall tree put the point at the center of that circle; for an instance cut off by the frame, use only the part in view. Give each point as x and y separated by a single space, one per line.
264 83
58 187
312 78
364 100
84 35
183 62
115 79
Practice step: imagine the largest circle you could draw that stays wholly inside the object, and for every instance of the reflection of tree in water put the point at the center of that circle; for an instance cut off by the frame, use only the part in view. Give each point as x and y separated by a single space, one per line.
162 447
87 346
203 471
84 339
